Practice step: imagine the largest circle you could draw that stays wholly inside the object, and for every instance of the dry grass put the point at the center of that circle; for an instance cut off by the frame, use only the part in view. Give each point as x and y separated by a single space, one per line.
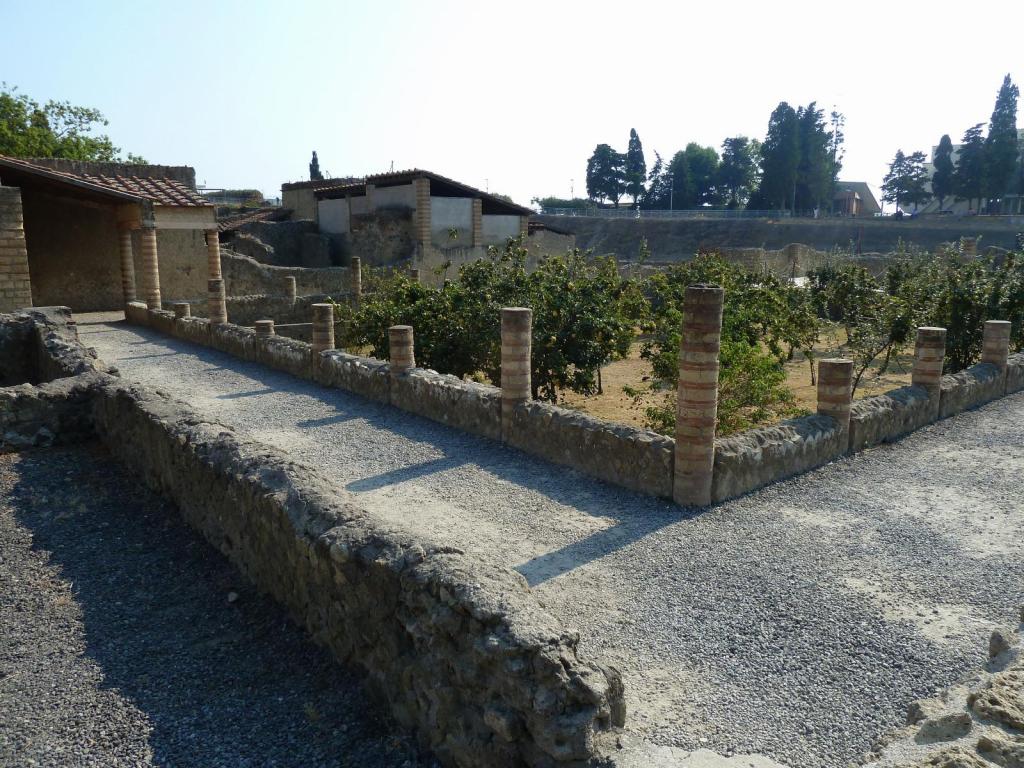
614 405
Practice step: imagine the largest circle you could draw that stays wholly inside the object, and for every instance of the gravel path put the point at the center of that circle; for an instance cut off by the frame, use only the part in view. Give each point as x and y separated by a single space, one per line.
125 640
797 622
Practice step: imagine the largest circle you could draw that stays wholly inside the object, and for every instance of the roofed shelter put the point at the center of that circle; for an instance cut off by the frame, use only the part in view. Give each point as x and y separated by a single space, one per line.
93 236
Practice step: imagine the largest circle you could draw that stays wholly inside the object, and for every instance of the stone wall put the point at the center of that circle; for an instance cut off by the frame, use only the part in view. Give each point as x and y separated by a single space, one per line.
244 276
288 244
889 416
755 458
1015 373
382 238
970 388
459 648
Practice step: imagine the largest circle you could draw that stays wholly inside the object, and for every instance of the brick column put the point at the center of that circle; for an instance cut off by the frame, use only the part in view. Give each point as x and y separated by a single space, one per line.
15 284
356 280
124 241
478 222
181 309
421 189
516 343
929 353
289 289
524 225
213 254
150 268
414 275
264 327
323 327
400 348
835 390
216 305
697 395
996 345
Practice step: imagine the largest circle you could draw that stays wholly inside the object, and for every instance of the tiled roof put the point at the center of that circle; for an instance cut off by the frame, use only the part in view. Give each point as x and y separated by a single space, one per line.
319 183
159 191
231 223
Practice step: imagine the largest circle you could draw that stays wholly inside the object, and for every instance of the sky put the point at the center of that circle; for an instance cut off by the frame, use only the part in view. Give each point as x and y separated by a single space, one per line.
510 97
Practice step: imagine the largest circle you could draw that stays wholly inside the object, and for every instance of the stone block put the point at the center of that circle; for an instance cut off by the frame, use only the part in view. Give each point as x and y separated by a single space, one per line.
755 458
887 417
1015 373
365 376
970 388
234 340
284 354
471 407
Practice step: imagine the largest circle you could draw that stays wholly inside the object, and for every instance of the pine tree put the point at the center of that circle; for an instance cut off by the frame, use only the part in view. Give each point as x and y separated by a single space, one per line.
606 174
814 170
780 155
680 183
636 167
969 175
942 179
1001 145
314 169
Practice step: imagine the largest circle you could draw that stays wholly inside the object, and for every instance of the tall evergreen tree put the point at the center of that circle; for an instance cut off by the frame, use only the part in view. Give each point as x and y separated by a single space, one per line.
1001 148
657 193
969 174
314 169
682 193
702 164
737 173
836 151
814 170
942 179
606 174
906 183
780 157
636 167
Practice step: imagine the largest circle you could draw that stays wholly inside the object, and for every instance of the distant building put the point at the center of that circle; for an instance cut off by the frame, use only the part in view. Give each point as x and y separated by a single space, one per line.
1010 203
855 198
300 196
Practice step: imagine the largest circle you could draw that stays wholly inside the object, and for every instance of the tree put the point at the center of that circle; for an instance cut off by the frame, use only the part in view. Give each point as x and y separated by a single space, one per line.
942 179
656 196
814 169
907 180
969 174
702 165
56 129
836 151
1001 145
737 173
606 174
780 157
314 169
680 183
636 167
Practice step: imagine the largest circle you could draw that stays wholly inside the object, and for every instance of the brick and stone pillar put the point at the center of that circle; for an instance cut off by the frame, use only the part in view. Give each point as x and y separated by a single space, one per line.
124 242
929 354
995 346
524 225
421 189
181 309
835 390
323 327
150 268
290 290
217 306
516 344
356 280
400 348
15 284
697 395
371 199
213 254
264 327
478 222
414 275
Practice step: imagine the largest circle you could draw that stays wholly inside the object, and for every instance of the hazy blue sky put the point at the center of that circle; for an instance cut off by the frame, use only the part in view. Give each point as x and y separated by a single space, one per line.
510 95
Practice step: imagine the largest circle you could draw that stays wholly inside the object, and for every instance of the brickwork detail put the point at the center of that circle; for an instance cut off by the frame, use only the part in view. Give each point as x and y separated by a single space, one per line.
400 348
516 345
150 268
124 237
697 396
213 254
996 343
478 222
216 306
323 328
835 391
422 221
15 283
929 354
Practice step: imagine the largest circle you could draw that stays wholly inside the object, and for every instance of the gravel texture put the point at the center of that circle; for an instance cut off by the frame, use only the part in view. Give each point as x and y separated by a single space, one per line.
125 640
797 622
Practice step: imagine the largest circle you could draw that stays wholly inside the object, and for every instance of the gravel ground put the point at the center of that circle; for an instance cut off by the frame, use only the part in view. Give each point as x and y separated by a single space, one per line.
125 640
797 622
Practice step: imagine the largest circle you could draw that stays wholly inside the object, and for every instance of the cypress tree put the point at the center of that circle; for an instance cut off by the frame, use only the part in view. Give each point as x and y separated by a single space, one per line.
942 179
636 167
969 175
1001 145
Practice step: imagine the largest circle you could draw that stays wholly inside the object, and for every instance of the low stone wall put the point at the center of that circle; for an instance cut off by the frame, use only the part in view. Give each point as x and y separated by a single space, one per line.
459 648
244 276
464 405
365 376
1015 373
633 458
887 417
970 388
16 359
765 455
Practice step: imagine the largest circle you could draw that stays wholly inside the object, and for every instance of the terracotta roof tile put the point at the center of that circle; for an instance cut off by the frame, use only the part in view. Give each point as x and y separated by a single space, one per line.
231 223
